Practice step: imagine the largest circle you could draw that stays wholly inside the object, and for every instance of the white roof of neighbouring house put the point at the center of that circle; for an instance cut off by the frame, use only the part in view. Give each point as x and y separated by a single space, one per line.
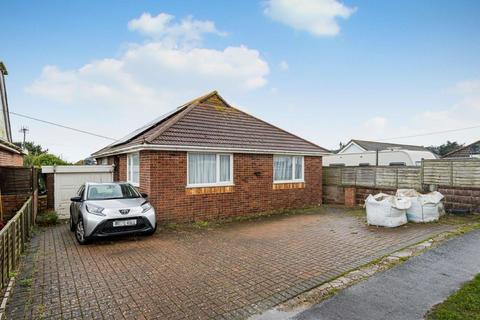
366 145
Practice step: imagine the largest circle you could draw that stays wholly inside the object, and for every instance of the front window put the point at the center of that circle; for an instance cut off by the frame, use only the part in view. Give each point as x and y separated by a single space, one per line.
133 168
210 169
287 168
106 191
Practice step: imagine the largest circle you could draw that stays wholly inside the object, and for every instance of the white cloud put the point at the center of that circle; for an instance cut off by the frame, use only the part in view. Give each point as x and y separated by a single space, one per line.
161 27
283 65
464 113
319 17
149 78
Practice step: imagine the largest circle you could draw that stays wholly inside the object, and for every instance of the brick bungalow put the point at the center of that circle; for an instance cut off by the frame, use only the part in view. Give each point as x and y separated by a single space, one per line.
469 151
10 154
208 160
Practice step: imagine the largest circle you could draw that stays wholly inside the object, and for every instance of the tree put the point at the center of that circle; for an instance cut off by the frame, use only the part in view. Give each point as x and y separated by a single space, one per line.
37 156
445 148
32 148
44 159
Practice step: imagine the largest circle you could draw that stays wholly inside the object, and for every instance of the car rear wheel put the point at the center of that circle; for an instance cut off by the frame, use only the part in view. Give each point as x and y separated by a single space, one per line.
80 232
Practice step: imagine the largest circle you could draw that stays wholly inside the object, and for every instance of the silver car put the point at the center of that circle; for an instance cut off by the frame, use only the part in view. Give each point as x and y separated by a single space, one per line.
106 209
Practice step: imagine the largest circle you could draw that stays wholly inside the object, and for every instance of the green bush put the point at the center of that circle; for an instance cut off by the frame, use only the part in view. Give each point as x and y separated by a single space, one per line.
48 218
44 159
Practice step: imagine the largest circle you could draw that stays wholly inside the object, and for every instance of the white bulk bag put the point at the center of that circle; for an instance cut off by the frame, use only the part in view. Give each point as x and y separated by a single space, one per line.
425 207
386 210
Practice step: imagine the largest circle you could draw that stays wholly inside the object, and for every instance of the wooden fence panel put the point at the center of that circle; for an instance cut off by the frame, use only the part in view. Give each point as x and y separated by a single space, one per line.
374 177
452 172
365 176
348 176
409 178
13 238
386 177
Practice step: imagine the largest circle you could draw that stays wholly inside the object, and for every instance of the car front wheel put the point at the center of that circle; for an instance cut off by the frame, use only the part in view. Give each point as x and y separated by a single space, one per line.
80 232
72 225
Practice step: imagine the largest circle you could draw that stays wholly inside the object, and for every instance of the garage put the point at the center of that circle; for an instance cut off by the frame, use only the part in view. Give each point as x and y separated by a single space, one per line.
67 180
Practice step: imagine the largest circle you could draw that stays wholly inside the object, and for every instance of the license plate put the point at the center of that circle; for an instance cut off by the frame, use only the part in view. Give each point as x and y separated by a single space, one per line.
124 223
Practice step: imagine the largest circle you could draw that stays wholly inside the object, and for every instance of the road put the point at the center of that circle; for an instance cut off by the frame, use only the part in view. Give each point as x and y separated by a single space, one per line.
409 290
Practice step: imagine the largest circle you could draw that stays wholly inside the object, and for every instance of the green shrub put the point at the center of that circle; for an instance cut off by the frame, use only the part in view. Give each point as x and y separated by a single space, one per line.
48 218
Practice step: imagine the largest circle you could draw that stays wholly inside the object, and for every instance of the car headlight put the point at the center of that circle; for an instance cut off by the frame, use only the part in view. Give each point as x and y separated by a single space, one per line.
146 206
95 210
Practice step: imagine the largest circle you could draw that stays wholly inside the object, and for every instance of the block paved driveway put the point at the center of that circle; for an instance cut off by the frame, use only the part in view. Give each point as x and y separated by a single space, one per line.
228 272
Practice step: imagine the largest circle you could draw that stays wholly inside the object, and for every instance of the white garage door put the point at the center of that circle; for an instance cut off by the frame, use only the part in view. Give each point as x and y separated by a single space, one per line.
68 179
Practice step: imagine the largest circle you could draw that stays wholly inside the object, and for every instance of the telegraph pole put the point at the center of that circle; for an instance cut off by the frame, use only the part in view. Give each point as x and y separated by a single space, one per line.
24 130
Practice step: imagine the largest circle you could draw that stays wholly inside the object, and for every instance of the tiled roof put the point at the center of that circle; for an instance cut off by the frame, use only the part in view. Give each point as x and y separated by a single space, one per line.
10 146
210 122
373 146
466 153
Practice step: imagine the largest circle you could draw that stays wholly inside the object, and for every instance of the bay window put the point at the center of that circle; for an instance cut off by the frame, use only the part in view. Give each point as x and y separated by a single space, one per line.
209 169
288 168
133 168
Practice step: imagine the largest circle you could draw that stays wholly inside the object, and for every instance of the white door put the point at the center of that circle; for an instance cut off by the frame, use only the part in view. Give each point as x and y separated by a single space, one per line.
67 184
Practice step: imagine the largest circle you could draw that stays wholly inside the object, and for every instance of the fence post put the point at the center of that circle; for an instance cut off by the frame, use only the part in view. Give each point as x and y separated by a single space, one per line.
451 173
396 178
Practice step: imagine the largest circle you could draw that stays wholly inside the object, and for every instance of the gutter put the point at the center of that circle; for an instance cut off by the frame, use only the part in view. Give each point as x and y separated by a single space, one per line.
136 148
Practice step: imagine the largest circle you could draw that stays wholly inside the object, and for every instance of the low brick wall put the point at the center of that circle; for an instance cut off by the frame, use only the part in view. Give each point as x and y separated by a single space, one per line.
333 195
461 198
455 198
362 193
12 203
42 203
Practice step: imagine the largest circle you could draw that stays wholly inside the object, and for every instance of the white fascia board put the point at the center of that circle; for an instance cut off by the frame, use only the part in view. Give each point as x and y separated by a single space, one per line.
77 169
205 149
348 145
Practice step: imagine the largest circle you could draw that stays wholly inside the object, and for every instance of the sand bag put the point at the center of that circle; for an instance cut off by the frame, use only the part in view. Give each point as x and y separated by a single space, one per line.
425 207
386 210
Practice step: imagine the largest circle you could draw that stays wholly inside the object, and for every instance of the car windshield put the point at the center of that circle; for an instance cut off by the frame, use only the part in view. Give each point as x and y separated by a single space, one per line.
107 191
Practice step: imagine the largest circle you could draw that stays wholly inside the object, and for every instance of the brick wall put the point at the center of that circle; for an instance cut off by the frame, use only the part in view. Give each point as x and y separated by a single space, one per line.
8 158
163 175
42 203
11 203
461 198
455 198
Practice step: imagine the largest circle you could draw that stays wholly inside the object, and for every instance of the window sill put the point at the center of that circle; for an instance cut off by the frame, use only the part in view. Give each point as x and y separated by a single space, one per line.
209 185
288 185
190 190
288 181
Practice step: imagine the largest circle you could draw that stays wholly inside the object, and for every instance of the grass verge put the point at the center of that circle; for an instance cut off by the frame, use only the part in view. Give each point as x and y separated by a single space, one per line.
463 304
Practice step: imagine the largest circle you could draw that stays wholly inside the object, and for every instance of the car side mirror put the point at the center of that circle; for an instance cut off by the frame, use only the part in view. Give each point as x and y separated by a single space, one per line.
144 195
76 199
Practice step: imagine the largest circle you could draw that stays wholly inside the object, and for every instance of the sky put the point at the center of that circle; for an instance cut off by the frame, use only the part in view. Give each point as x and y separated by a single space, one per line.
326 70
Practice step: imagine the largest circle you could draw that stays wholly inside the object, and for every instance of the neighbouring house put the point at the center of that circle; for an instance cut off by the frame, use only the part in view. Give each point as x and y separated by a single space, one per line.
469 151
371 153
10 154
208 160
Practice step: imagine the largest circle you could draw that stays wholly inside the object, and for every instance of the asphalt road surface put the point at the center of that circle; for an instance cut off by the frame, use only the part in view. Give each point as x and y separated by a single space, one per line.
407 291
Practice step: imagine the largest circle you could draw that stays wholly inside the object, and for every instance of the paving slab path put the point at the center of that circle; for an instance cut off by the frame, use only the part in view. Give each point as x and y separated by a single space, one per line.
407 291
229 272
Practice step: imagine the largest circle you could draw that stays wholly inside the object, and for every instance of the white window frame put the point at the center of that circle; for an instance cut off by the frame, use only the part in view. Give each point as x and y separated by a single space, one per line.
217 171
294 180
129 174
